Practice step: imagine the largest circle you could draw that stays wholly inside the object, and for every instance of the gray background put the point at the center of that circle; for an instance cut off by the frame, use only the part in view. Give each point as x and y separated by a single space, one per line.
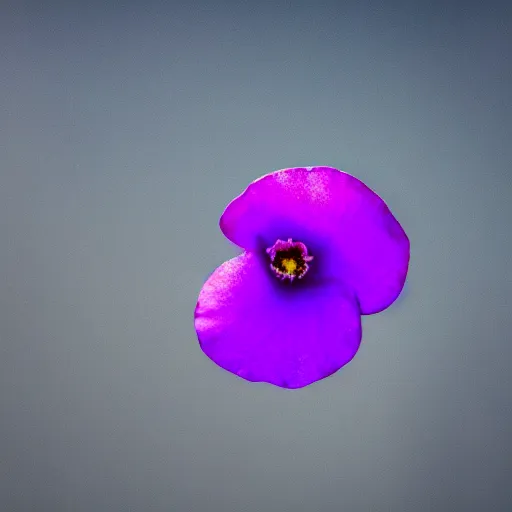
126 129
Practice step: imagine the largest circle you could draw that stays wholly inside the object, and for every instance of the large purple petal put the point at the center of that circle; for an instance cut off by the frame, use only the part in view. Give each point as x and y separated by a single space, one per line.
346 226
253 326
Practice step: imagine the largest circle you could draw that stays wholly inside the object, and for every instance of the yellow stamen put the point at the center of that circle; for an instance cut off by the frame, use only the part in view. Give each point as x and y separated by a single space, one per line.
290 265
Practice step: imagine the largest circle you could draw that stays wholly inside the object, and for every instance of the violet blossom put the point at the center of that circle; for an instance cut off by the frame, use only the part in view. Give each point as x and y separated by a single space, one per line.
320 250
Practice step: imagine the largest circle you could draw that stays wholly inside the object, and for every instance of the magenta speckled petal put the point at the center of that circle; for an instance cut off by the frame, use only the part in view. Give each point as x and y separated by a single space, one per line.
253 326
347 227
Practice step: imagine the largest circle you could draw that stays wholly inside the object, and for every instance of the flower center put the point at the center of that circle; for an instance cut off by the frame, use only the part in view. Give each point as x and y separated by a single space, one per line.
289 260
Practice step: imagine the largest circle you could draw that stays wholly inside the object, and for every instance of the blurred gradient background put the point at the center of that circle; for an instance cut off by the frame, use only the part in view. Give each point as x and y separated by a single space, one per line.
126 128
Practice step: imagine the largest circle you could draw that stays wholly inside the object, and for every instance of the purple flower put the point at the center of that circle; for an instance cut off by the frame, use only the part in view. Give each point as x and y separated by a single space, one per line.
320 250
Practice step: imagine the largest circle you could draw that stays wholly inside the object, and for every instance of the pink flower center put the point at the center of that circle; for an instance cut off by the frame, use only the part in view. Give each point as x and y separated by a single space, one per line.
289 260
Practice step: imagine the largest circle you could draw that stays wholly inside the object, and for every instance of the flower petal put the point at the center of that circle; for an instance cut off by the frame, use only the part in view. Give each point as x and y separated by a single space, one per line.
345 225
253 326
